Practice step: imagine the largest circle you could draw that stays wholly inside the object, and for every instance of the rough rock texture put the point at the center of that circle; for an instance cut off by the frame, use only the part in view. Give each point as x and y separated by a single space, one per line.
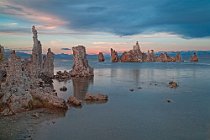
74 101
172 84
178 57
62 76
16 88
125 57
36 54
134 55
114 56
137 54
97 97
80 67
1 53
194 58
151 56
164 57
21 89
101 57
43 99
48 64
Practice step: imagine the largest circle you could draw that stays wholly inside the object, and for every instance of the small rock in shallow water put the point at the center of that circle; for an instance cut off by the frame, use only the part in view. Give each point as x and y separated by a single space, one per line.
173 84
169 101
131 89
97 97
139 87
74 101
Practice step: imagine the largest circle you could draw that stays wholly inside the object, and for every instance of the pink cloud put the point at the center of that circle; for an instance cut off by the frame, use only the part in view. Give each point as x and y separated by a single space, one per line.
47 21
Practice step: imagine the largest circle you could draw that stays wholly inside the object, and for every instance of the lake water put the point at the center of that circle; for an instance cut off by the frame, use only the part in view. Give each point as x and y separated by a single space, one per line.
141 114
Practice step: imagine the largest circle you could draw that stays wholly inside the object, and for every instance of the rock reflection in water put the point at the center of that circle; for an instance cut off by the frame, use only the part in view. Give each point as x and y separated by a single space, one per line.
80 89
80 86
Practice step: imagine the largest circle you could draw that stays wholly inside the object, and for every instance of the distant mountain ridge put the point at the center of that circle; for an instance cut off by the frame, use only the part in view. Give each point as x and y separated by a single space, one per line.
203 54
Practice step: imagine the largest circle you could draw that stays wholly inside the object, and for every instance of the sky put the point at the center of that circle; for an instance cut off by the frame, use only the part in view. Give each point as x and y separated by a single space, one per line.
160 25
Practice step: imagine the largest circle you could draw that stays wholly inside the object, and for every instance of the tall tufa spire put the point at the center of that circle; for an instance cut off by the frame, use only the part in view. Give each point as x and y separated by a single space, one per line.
36 54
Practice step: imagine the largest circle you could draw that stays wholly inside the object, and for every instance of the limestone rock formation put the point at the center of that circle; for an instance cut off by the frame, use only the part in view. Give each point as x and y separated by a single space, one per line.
97 97
134 55
48 64
125 57
62 76
36 55
137 54
80 67
22 89
74 101
178 57
16 88
114 56
194 58
48 100
172 84
1 53
101 57
164 57
151 56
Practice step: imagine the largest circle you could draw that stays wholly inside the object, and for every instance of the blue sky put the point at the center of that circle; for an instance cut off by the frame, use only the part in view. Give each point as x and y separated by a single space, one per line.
162 25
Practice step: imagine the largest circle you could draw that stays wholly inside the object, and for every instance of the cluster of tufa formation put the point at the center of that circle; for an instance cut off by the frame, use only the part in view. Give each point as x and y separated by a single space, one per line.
114 56
194 58
41 64
80 67
48 64
101 57
136 55
22 88
62 76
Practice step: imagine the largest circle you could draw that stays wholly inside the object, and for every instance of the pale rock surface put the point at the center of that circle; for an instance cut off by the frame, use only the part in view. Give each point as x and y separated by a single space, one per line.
48 64
74 101
17 85
36 55
22 89
80 67
134 55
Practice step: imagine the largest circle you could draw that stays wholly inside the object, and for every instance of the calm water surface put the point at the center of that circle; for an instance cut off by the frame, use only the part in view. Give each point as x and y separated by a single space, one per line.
141 114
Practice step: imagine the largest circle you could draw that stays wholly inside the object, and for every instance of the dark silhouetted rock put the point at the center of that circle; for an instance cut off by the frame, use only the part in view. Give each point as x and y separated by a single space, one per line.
194 58
101 57
114 56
